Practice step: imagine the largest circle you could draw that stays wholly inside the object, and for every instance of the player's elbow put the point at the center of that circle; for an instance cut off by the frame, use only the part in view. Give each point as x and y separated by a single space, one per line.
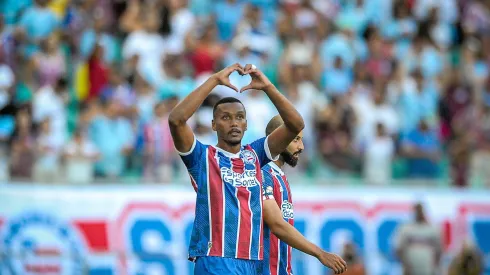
175 120
297 125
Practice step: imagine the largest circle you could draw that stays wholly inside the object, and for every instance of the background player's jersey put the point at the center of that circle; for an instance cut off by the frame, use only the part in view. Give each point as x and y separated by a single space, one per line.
228 220
277 254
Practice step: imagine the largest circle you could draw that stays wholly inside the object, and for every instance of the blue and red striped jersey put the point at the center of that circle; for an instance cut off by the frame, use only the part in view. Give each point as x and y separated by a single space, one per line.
277 254
228 218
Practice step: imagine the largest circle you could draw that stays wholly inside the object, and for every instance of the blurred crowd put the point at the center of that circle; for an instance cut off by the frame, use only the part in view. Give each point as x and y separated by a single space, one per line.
389 89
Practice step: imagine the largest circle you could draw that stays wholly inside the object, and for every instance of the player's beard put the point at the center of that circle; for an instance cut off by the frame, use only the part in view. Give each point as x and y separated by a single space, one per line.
289 159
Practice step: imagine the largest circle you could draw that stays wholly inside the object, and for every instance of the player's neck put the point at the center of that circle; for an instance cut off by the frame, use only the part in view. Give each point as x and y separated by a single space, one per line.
279 162
228 147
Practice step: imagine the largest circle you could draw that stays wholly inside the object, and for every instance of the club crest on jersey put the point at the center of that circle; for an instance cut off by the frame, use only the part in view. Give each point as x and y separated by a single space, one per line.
248 157
287 210
246 179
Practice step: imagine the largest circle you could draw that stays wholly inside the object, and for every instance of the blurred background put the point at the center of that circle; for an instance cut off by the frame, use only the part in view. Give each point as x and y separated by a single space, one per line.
395 95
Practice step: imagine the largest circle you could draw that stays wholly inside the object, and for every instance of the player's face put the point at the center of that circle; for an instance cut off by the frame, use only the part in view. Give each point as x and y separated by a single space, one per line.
294 149
230 122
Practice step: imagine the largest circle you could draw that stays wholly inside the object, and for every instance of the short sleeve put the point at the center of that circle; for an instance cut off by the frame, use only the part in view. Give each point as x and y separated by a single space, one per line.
261 147
194 155
267 185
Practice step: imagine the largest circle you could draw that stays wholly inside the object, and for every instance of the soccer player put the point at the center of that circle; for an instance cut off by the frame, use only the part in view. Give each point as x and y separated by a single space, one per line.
278 209
227 236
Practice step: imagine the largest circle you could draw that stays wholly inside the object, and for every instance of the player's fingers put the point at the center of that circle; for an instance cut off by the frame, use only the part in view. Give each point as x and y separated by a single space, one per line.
232 68
335 269
343 262
248 67
229 85
339 268
248 87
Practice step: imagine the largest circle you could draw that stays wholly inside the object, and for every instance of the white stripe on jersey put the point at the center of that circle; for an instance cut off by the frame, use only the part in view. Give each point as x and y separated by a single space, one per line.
239 217
209 203
251 223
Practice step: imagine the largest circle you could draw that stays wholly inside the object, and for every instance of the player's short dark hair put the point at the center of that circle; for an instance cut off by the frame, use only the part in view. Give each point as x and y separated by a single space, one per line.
226 100
273 124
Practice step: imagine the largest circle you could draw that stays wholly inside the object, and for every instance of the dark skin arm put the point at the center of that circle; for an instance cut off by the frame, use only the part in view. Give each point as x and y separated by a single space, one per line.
293 122
182 133
288 234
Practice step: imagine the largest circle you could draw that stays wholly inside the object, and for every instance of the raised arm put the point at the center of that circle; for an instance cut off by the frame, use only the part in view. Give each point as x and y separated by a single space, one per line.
288 234
293 122
181 132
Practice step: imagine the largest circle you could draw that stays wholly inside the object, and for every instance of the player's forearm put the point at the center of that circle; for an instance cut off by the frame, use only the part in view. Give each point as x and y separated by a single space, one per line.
288 234
291 117
187 107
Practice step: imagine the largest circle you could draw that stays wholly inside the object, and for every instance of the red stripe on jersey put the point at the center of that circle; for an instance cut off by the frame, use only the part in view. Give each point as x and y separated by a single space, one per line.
258 175
215 197
244 240
245 222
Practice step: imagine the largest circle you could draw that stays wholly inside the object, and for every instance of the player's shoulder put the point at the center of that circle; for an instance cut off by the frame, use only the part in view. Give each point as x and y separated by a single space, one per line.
267 169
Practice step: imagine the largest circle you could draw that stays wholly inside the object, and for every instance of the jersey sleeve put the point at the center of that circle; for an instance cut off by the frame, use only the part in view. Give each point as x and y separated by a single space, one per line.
261 147
267 185
192 158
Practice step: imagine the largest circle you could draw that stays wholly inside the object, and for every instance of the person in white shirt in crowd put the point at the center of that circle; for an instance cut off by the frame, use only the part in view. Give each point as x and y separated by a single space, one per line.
49 102
80 155
46 167
372 111
418 245
144 41
378 157
7 80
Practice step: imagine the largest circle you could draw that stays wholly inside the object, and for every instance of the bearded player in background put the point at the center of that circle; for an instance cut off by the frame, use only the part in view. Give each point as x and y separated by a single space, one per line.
278 206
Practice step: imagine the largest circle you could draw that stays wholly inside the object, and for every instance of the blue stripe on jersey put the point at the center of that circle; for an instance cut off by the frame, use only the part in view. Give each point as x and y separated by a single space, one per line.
200 238
283 250
231 212
267 241
256 206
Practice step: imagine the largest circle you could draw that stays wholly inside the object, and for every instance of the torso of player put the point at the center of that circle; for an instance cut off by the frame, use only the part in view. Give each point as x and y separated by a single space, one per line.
282 193
278 253
228 219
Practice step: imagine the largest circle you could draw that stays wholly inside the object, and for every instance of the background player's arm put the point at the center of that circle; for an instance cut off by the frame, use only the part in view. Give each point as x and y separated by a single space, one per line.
288 234
181 132
293 122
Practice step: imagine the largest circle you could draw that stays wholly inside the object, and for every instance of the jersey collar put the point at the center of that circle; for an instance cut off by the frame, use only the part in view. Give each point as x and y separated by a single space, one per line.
276 168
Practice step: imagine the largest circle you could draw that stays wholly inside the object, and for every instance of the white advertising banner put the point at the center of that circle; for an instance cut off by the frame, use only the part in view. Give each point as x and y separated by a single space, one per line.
103 230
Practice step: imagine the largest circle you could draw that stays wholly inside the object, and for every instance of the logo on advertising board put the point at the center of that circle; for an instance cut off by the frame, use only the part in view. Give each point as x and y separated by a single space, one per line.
37 243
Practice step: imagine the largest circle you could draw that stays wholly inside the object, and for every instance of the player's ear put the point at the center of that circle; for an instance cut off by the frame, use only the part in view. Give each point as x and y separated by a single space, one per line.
246 124
213 125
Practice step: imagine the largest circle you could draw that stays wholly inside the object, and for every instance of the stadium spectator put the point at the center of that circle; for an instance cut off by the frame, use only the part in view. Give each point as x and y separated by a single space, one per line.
113 136
353 260
80 155
422 149
46 168
378 157
468 261
418 245
23 146
160 157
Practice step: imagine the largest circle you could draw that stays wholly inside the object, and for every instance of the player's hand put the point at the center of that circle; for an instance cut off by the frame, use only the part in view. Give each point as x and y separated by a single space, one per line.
223 76
259 80
332 261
